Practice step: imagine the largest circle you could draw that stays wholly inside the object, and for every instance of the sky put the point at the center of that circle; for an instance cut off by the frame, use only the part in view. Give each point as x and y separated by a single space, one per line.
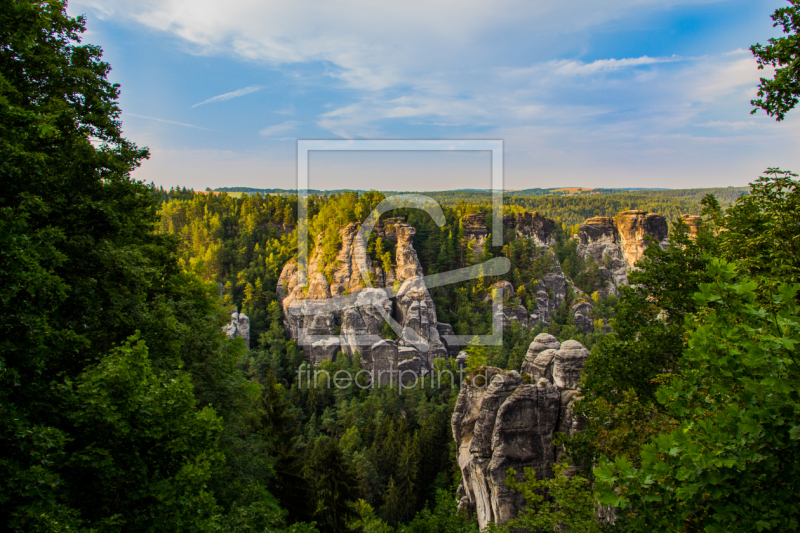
583 93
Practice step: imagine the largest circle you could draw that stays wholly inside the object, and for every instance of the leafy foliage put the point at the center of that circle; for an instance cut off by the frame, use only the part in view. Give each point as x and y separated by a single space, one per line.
779 95
563 503
731 464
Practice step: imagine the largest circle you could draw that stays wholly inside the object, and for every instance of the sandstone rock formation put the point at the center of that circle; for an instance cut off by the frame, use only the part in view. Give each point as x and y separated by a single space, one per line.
538 361
693 222
338 308
501 423
526 225
532 226
598 239
475 229
239 326
617 244
551 292
633 228
511 310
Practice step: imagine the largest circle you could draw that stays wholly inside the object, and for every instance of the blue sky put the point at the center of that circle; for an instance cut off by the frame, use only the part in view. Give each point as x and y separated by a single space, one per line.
611 93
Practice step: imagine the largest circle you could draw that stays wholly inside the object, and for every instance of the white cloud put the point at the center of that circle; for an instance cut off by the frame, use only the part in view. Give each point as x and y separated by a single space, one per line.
166 121
605 65
377 45
284 127
233 94
488 69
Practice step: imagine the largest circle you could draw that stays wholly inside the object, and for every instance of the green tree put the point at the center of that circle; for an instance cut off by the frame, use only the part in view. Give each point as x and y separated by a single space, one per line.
732 462
400 498
559 504
441 517
101 427
139 443
779 95
334 484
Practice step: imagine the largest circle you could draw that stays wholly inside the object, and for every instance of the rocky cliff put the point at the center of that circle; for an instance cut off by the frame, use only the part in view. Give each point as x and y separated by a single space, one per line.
634 227
341 313
346 315
239 326
693 222
502 422
526 225
617 244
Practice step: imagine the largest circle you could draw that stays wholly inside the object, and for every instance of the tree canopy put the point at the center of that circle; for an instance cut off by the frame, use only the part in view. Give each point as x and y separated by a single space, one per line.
779 95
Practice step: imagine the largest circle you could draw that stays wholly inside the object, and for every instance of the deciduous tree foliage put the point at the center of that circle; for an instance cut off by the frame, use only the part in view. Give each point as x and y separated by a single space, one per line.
779 95
732 462
703 436
120 401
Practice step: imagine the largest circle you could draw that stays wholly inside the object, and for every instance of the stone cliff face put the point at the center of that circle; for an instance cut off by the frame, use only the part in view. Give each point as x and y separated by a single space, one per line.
599 239
693 222
239 326
617 244
353 322
526 225
350 317
633 227
531 226
501 422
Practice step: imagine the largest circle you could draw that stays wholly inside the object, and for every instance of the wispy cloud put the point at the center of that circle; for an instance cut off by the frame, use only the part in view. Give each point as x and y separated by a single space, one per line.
604 65
167 121
232 94
273 131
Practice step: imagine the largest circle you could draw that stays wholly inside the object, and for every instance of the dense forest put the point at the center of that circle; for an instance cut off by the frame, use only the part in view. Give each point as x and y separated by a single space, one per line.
124 407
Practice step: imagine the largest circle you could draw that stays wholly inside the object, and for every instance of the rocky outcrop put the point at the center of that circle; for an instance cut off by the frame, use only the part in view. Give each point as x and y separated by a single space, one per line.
693 222
337 306
415 309
582 313
475 230
531 226
634 227
500 422
511 310
551 291
525 225
617 244
538 361
239 326
598 241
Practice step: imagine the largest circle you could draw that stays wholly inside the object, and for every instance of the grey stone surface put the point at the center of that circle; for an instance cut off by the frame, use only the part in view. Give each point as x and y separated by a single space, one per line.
239 326
533 365
510 424
568 364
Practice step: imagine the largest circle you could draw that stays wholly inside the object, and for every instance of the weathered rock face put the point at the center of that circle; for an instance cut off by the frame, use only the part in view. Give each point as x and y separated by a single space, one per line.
598 239
526 225
447 329
694 224
415 311
633 227
510 424
568 364
511 310
582 311
538 361
352 323
238 327
532 226
475 228
551 292
617 244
